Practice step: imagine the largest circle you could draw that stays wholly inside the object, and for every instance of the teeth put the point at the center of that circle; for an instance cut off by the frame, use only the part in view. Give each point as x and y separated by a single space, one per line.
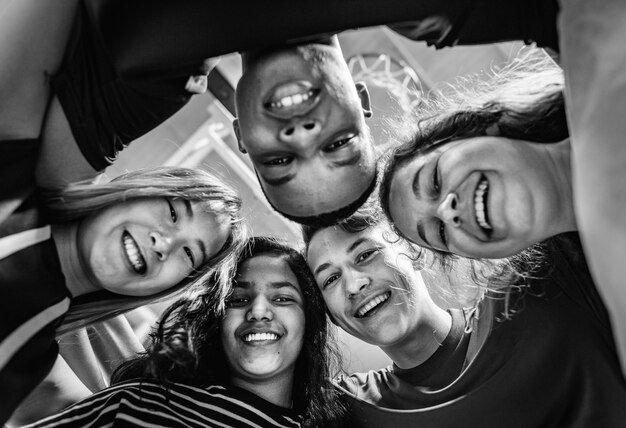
260 337
372 304
479 204
292 100
134 255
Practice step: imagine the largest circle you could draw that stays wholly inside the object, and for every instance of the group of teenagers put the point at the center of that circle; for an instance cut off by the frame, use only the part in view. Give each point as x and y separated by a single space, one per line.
492 180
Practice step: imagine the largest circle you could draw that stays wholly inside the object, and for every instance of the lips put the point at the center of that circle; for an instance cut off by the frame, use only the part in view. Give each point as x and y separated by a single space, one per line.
292 99
133 254
369 306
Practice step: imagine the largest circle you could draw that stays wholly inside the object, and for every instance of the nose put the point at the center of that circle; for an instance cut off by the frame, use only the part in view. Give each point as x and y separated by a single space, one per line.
301 133
356 284
260 310
161 244
448 210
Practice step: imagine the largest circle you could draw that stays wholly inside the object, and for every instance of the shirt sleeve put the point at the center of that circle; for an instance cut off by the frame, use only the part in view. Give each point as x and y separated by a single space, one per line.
594 61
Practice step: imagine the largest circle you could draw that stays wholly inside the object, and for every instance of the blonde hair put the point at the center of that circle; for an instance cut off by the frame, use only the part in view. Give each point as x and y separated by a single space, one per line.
80 200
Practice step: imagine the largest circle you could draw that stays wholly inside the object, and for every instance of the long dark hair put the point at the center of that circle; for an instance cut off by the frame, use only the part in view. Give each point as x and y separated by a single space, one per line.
186 345
522 101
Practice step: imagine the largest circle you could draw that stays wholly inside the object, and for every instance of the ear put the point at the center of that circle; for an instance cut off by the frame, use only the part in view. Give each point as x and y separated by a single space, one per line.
364 95
238 135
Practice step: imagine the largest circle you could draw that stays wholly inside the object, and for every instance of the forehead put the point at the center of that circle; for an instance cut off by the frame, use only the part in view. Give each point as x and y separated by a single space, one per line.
264 270
334 240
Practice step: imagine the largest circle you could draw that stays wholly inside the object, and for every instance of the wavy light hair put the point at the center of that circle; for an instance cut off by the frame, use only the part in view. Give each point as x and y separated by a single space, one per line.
80 200
522 100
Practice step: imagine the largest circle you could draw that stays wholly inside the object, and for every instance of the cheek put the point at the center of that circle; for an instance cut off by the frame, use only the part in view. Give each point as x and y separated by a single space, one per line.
227 332
466 247
489 250
334 303
173 271
298 324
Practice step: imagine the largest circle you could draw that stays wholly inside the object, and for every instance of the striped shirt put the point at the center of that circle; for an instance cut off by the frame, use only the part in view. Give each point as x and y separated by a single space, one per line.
34 297
150 404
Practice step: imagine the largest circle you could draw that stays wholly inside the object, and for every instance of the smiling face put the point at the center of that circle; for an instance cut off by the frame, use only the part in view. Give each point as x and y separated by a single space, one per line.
479 197
369 285
145 246
263 328
301 119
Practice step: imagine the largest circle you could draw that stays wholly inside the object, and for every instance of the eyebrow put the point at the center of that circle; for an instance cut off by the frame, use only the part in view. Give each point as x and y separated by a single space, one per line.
190 213
351 248
416 182
278 181
356 244
274 285
321 268
353 160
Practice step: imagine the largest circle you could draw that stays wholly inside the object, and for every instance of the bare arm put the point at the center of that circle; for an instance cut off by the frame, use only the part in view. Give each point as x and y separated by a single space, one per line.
94 352
593 56
58 390
33 36
60 159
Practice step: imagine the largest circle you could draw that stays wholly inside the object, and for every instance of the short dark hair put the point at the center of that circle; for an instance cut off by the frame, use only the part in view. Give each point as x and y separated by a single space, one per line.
332 217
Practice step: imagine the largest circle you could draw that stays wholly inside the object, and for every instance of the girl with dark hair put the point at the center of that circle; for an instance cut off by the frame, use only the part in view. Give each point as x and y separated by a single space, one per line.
506 141
261 359
535 352
91 252
488 173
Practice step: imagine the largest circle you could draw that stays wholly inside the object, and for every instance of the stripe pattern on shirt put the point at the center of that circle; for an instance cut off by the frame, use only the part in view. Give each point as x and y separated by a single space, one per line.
149 404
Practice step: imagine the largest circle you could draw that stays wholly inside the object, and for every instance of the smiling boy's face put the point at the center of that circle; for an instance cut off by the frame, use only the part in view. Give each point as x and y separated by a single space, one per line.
301 118
368 284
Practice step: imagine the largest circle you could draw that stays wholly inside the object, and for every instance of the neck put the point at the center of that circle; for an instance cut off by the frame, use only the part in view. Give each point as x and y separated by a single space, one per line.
559 157
276 390
424 341
65 240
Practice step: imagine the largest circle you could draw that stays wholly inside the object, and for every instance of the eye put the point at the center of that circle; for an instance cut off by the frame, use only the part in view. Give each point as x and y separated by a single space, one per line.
436 183
335 145
236 302
366 255
278 161
189 254
173 213
284 299
442 233
330 280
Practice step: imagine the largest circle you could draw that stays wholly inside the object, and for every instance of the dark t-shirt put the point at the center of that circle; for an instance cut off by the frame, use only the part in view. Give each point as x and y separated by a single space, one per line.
34 300
127 63
552 364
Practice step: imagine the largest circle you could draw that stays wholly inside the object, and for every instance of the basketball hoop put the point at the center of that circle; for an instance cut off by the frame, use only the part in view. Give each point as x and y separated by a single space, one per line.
394 76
